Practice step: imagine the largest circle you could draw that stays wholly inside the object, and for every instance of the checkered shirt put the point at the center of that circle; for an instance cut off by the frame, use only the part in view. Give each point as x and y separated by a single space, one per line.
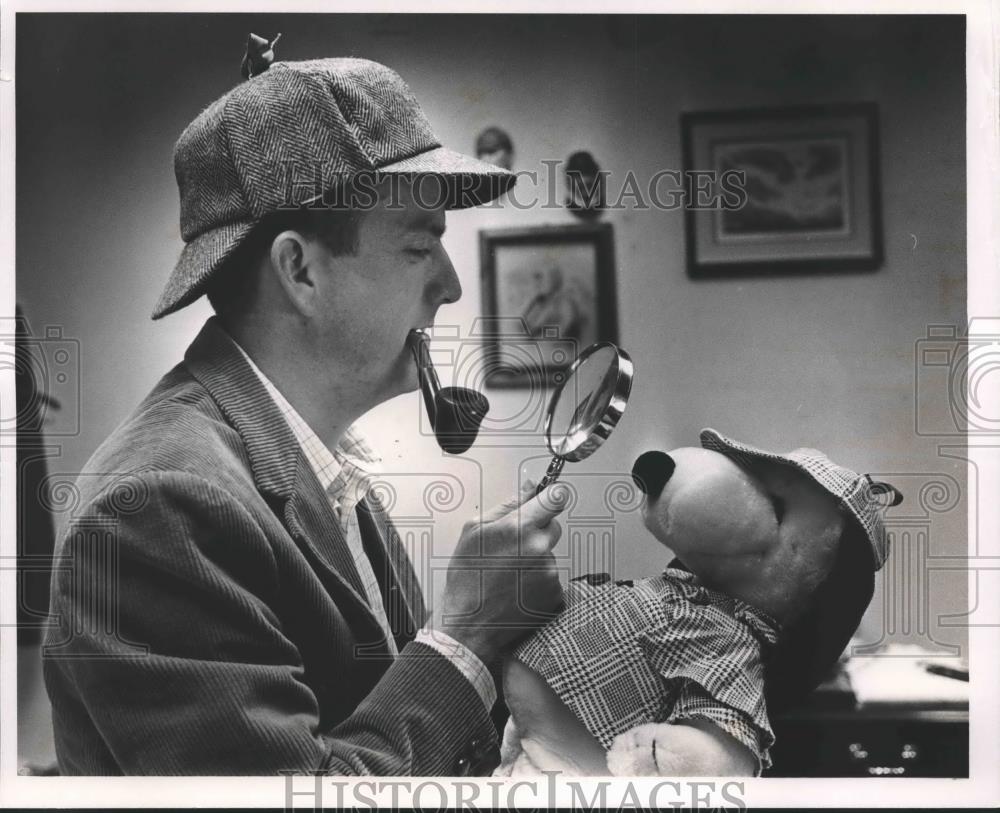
345 475
662 649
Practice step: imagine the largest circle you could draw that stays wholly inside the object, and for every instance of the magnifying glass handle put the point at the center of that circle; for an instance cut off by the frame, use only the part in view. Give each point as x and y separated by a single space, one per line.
551 474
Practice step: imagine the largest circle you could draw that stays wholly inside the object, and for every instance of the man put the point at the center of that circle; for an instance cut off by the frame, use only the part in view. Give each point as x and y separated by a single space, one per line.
231 600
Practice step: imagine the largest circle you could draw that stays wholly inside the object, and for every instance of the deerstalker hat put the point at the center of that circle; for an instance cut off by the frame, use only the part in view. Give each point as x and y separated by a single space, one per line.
810 646
283 137
855 492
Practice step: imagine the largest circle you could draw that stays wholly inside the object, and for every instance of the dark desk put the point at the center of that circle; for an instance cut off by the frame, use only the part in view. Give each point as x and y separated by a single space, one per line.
874 740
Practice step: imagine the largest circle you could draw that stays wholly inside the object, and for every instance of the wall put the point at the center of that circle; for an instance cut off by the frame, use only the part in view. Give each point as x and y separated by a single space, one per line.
824 360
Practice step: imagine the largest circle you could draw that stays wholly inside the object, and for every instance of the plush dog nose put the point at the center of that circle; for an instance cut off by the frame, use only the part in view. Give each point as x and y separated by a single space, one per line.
651 471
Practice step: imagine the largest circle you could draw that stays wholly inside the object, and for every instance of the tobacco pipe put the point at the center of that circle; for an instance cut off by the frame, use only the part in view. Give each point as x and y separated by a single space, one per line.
455 413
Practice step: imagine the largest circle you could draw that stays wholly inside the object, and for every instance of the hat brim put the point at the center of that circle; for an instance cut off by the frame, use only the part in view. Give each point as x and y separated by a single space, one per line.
198 262
468 181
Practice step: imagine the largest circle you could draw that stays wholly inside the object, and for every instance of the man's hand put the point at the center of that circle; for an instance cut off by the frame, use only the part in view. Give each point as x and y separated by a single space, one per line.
502 581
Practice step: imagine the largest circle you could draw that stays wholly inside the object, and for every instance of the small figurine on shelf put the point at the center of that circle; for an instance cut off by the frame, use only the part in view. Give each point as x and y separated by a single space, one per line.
585 186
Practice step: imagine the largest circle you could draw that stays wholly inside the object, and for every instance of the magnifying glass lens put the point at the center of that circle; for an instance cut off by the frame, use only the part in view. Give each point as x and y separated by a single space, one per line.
583 401
588 405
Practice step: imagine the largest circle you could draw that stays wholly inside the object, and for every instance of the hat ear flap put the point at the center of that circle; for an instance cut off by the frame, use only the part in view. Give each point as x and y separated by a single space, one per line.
810 646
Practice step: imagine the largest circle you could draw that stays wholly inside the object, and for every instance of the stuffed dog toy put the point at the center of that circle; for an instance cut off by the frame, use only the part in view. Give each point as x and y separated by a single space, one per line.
675 674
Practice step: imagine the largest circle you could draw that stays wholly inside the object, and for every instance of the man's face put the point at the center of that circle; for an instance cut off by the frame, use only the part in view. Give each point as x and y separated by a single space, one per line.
397 279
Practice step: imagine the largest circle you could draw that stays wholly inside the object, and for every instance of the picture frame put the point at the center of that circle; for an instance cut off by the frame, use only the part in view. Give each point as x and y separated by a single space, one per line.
547 293
812 190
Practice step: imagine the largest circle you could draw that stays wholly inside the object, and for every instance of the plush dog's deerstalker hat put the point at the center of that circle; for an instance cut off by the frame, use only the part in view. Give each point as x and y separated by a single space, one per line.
270 141
810 646
857 493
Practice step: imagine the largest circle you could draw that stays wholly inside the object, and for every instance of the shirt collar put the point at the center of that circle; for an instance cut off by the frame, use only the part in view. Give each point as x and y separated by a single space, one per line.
344 473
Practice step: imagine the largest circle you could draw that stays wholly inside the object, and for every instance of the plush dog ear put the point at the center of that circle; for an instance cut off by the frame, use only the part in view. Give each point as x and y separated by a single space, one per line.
809 647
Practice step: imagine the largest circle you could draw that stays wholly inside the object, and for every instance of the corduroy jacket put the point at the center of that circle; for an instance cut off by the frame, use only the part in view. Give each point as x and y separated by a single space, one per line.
209 616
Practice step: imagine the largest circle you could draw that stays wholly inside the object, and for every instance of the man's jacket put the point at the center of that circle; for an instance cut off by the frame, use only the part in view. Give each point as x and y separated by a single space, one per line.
210 616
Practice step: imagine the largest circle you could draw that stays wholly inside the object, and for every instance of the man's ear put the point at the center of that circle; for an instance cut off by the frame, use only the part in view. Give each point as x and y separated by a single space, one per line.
293 263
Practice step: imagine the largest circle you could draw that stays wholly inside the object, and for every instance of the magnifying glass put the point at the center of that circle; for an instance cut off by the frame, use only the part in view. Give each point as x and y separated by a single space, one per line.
586 406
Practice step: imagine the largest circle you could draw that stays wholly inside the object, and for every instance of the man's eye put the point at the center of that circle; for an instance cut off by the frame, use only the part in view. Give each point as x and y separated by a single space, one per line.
418 252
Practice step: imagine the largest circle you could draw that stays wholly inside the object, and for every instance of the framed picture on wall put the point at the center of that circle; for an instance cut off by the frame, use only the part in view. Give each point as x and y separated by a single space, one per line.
548 292
782 190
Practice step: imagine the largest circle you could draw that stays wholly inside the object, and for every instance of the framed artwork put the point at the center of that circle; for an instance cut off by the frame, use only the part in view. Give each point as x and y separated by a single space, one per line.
810 182
548 292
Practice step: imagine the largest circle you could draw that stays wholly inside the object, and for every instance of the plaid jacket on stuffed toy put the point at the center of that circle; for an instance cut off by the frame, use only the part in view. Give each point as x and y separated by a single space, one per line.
661 649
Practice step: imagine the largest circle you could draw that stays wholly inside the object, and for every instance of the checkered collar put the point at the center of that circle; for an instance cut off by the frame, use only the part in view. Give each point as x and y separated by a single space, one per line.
344 473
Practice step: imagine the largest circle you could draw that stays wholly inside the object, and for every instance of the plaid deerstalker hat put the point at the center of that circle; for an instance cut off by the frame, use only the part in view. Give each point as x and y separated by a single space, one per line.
810 646
856 492
248 152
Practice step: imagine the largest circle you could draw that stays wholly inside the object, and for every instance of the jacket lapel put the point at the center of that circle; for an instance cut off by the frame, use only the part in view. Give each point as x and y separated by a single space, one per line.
394 569
280 470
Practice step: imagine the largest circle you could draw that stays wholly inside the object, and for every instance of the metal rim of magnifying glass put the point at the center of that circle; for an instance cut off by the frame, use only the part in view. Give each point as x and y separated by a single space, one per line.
613 413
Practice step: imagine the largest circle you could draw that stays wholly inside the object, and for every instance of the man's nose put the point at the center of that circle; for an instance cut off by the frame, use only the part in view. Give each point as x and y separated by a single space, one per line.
448 289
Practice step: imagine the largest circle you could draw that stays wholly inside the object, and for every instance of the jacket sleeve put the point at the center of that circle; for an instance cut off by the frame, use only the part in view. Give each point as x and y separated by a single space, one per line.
167 644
